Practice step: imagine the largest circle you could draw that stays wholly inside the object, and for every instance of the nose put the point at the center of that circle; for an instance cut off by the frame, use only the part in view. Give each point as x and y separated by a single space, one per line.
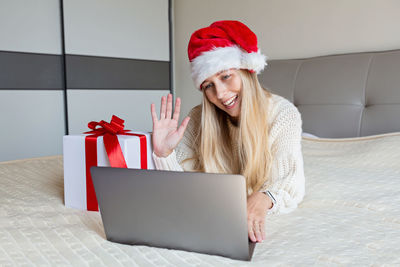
220 90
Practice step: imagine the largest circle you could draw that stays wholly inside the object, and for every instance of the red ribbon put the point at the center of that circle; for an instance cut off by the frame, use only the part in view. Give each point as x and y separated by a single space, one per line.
109 131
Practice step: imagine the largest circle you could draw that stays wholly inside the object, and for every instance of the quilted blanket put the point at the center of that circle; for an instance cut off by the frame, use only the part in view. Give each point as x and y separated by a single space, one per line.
350 215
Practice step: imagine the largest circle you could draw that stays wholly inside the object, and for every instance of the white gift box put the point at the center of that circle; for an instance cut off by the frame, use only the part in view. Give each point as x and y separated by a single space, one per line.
75 194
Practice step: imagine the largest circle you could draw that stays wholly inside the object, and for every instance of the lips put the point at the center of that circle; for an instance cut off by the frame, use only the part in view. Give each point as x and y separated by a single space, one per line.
230 102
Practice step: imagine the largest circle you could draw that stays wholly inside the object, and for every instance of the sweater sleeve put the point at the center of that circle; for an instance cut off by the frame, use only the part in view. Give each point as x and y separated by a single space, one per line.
184 150
169 163
287 183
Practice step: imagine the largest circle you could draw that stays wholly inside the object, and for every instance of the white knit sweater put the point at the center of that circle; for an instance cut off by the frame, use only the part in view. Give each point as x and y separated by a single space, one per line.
287 172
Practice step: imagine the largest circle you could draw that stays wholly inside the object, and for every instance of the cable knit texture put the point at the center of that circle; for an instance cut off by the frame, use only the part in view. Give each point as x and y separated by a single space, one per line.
287 173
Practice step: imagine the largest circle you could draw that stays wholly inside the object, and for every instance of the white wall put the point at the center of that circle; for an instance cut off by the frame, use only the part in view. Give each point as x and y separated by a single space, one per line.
34 117
288 29
134 29
133 106
30 26
31 119
124 29
32 123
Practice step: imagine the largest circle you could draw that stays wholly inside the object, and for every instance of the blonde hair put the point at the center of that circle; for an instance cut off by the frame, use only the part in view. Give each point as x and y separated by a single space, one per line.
215 142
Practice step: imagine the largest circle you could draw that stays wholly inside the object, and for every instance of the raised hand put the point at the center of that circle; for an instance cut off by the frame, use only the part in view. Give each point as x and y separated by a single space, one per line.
166 134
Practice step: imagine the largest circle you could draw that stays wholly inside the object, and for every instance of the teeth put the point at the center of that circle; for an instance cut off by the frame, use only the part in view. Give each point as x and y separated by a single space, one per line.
229 101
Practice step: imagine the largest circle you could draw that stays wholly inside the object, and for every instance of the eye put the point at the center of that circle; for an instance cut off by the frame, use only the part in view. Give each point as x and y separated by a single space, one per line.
226 76
207 86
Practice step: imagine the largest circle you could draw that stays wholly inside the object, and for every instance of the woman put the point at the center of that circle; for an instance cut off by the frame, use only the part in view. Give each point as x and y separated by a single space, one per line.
239 128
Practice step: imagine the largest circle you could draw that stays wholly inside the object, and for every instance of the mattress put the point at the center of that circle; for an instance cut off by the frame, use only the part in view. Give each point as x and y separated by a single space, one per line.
350 215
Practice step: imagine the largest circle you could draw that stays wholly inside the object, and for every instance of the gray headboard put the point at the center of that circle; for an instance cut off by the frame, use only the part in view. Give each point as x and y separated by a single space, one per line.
341 95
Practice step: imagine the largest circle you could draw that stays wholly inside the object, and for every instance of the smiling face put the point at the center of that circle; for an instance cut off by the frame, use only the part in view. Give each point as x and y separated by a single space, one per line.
223 89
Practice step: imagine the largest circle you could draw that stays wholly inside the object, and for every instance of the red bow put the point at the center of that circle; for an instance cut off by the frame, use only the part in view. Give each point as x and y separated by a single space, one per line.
109 132
116 126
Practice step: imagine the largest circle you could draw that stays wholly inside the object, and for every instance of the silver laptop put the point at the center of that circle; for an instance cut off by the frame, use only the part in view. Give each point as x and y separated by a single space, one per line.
199 212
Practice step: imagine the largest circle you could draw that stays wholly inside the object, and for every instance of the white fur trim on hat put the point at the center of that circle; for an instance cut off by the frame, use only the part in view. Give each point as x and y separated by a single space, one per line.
224 58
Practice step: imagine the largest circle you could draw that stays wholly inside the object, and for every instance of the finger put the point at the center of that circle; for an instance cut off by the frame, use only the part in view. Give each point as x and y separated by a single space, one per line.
251 232
177 109
257 231
163 108
169 106
264 236
183 126
153 113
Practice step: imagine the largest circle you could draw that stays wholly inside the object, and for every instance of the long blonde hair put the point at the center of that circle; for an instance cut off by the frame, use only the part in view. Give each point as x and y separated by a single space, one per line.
215 141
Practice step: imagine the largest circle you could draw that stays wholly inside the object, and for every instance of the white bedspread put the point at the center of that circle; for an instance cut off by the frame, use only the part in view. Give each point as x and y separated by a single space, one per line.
350 215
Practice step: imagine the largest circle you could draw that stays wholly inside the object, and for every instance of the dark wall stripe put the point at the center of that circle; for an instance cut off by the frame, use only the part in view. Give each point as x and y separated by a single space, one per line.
89 72
30 71
31 89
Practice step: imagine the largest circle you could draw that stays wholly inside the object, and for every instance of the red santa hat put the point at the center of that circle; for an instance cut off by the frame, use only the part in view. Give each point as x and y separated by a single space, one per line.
223 45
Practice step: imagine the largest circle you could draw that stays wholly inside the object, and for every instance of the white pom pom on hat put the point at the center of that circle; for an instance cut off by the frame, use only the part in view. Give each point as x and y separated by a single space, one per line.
223 45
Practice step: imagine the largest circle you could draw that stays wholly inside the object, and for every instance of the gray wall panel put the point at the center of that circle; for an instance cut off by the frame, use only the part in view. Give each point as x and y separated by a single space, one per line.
343 120
30 71
33 123
131 105
280 77
383 85
125 29
30 26
334 80
86 72
347 95
378 119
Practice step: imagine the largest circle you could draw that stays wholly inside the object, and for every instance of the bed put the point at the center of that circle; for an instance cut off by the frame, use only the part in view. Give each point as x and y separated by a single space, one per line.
350 214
